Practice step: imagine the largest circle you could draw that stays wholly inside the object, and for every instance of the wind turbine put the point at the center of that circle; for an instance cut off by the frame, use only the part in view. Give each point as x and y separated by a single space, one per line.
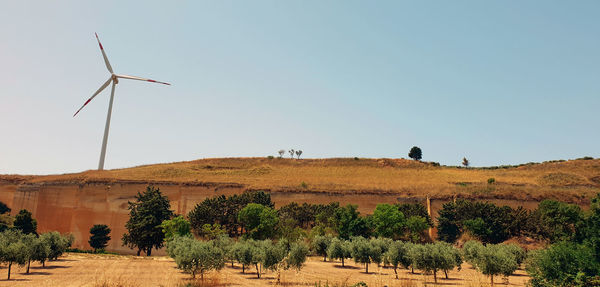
114 79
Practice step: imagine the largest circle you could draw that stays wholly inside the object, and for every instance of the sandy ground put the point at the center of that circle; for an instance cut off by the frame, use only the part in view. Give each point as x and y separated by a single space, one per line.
111 270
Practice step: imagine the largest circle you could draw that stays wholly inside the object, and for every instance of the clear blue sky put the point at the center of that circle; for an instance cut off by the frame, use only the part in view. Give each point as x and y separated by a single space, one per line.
500 82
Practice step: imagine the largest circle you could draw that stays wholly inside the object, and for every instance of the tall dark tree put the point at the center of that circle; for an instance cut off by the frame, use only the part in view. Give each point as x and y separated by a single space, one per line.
99 236
146 214
25 223
415 153
4 208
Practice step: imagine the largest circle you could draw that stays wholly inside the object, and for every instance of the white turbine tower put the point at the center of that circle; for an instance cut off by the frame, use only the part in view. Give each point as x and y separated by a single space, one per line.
114 79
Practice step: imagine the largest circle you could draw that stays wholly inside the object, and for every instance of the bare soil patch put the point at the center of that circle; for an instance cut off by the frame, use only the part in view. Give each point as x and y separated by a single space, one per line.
112 270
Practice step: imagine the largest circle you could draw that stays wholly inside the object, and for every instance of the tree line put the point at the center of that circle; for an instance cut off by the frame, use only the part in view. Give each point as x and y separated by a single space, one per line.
21 244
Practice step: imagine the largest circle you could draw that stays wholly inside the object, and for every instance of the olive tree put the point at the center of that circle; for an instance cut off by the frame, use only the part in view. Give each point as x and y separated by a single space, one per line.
339 249
195 256
364 252
320 244
433 257
12 249
496 259
398 255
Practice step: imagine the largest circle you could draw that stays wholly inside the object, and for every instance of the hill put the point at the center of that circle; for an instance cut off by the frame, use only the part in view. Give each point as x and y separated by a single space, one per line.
74 202
571 181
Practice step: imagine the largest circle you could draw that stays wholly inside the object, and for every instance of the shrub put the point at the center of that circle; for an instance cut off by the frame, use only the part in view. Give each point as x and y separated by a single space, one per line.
563 264
491 180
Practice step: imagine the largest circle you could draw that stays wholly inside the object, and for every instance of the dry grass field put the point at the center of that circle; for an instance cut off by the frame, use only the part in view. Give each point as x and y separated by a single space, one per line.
573 181
128 271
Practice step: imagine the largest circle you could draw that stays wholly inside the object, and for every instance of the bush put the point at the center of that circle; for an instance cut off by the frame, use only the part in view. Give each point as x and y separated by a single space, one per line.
563 264
491 180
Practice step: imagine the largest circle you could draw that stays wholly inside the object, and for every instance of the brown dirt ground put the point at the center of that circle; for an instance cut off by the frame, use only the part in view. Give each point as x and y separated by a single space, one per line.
112 270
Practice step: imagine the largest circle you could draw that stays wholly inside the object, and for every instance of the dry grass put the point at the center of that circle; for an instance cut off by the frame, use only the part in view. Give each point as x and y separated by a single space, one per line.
572 181
131 271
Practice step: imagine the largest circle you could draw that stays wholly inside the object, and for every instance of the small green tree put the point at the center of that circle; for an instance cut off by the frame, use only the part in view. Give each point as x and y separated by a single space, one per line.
178 226
364 252
99 236
258 220
433 257
58 243
297 255
472 251
320 244
12 249
25 223
416 225
348 223
40 251
415 153
198 257
495 259
144 231
388 221
339 249
397 255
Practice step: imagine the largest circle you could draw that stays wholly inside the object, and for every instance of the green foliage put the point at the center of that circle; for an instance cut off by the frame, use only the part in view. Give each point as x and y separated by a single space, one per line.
388 221
398 255
224 210
416 225
178 226
99 236
563 264
320 244
146 214
415 209
25 223
12 249
486 221
195 256
471 251
339 249
434 257
363 251
4 208
247 253
348 223
496 259
491 180
557 220
297 255
58 243
258 220
415 153
213 231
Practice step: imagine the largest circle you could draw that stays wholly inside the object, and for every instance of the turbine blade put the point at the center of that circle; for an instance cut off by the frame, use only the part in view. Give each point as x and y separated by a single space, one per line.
104 55
140 79
94 95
